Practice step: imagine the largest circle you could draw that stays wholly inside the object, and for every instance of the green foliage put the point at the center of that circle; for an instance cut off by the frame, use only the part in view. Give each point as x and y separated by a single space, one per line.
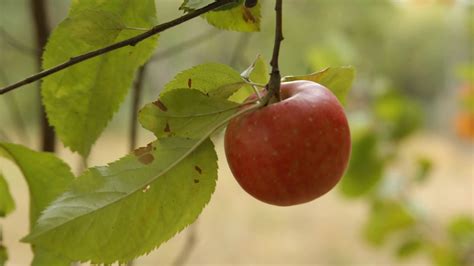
399 115
337 79
218 80
461 231
7 205
233 16
185 113
151 195
80 100
366 165
257 72
409 247
3 250
47 178
210 78
386 218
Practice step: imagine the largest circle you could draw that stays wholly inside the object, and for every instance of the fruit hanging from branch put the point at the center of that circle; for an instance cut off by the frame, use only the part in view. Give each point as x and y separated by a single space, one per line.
292 151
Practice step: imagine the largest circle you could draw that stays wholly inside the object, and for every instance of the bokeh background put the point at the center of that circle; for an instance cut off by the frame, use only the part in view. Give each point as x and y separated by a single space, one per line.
407 198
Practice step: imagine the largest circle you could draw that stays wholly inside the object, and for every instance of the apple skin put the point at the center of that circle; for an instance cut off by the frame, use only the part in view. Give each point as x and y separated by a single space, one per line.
292 151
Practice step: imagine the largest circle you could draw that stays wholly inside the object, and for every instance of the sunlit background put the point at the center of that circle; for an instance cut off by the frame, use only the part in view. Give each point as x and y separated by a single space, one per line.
408 194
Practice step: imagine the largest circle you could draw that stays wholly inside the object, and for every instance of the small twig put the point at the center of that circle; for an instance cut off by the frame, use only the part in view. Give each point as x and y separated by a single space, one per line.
136 96
128 42
185 253
275 76
184 45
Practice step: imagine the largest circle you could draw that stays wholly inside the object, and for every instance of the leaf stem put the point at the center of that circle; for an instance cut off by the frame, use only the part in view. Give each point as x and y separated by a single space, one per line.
128 42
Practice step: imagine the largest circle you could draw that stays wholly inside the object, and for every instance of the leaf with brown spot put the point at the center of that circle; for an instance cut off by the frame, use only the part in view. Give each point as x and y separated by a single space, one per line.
146 158
196 181
115 193
198 169
167 128
160 105
142 150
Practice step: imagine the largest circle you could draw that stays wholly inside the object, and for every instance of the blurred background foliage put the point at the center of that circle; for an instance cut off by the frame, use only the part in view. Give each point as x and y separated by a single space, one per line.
414 63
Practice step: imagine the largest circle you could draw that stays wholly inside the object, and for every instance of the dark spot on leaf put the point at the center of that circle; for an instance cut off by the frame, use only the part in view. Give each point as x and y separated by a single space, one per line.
198 169
248 16
196 181
146 158
160 105
189 83
142 150
167 128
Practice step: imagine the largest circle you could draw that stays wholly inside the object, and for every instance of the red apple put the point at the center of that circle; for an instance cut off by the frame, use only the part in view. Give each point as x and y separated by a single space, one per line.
292 151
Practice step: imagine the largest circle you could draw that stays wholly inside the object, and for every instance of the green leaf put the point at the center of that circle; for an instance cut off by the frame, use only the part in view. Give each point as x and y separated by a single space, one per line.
461 230
7 205
80 100
398 115
126 209
424 167
257 73
3 250
409 247
238 18
47 178
366 165
337 79
190 5
444 256
3 255
387 217
185 113
215 79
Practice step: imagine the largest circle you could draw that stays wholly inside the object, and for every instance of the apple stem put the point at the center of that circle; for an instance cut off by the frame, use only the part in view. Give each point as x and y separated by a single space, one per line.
273 86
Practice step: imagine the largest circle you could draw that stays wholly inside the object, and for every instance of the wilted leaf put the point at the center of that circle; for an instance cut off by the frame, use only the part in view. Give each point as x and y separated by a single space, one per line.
126 209
366 164
81 99
337 79
237 18
47 178
185 113
7 205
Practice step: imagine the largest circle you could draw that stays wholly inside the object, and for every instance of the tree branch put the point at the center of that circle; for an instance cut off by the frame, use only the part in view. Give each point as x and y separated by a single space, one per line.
40 17
275 76
129 42
136 96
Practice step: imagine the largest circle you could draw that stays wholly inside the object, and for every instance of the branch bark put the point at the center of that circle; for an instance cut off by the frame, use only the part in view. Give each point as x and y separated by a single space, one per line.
40 17
136 97
275 76
129 42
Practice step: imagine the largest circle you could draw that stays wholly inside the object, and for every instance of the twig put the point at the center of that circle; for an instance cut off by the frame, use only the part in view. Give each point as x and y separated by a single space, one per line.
183 256
128 42
184 45
136 96
40 17
275 77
